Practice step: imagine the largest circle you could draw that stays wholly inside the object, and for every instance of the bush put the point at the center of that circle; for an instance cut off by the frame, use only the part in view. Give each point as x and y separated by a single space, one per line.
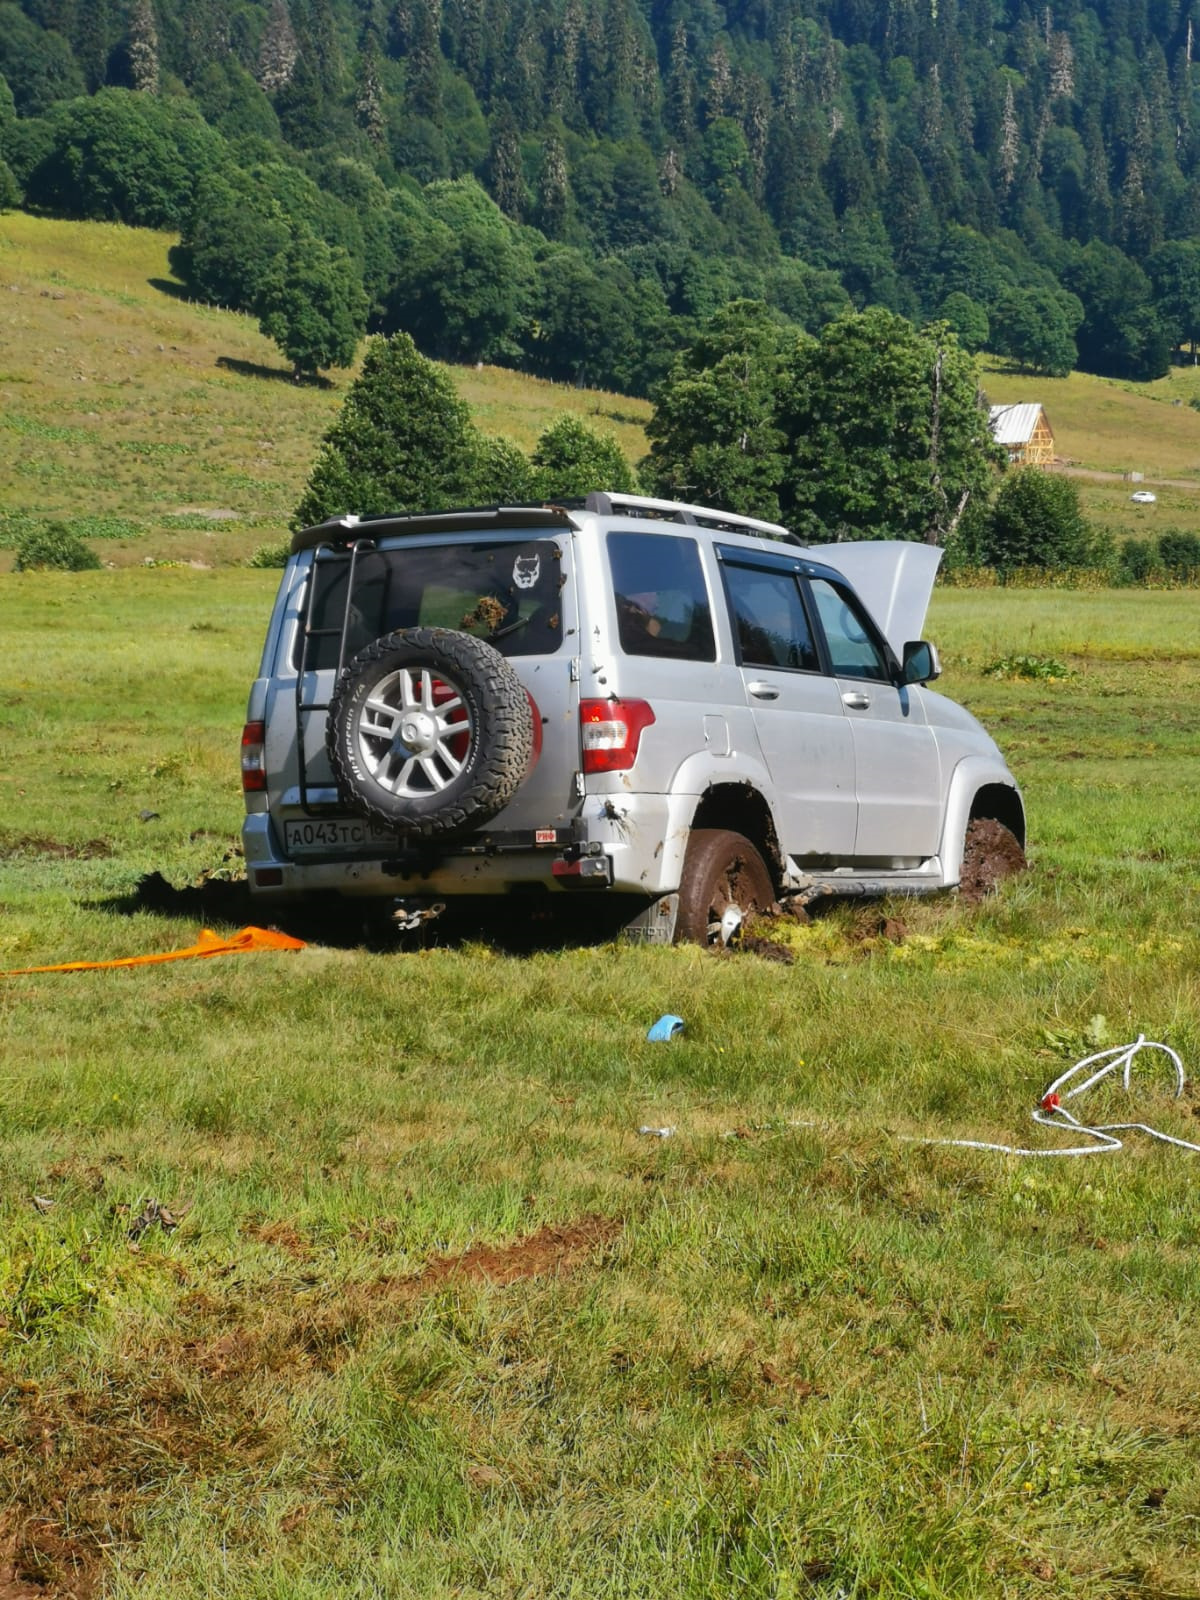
271 555
54 546
1136 560
1036 522
1179 553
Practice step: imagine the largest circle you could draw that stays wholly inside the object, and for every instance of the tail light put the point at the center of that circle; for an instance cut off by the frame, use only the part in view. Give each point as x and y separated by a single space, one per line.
612 732
254 765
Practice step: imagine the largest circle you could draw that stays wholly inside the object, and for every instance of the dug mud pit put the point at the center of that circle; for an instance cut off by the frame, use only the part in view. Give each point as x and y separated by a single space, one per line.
992 854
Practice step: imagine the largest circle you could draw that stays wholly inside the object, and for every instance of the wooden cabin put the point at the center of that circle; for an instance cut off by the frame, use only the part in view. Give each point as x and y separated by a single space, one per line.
1025 432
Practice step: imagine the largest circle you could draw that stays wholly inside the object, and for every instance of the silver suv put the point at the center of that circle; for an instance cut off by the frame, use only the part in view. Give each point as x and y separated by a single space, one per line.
681 712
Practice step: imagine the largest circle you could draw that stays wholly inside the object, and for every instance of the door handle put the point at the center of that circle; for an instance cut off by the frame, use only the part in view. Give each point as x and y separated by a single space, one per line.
763 691
856 700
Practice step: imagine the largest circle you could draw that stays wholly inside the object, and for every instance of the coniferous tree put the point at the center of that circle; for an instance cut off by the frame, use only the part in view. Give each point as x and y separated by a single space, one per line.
368 101
403 441
553 201
143 47
280 51
505 177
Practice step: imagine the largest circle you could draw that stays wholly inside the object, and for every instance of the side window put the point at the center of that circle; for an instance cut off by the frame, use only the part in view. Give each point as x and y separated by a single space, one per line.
661 598
769 619
854 649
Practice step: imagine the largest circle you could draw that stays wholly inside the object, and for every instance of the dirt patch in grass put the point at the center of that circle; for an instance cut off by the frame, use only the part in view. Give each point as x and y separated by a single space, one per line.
31 844
991 855
36 1561
203 1402
75 1464
550 1250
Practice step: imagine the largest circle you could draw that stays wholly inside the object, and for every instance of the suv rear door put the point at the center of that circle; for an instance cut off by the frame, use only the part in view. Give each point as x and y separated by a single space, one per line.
513 588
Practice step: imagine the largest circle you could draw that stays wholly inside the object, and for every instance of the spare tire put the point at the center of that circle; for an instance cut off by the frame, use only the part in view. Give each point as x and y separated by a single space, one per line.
430 731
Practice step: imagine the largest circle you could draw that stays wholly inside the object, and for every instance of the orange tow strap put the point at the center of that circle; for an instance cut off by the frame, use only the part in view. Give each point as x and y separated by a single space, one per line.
208 944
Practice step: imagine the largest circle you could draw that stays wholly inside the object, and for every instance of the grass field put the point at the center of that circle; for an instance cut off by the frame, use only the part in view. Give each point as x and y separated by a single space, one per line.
782 1353
347 1272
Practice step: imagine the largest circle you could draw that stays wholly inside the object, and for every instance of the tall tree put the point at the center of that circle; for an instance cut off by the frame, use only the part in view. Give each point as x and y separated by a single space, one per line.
143 47
403 441
312 305
279 51
887 433
714 435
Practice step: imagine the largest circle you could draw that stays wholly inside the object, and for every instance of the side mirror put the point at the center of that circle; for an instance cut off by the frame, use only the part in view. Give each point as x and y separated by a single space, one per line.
920 663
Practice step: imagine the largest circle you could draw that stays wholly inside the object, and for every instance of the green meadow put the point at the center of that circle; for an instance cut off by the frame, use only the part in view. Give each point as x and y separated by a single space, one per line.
347 1271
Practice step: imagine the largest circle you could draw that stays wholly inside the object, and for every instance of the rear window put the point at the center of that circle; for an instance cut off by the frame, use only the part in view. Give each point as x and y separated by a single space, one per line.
507 593
661 597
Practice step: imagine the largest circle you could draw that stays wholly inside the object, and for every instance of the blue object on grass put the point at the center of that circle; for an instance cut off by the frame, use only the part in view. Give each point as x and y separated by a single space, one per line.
667 1027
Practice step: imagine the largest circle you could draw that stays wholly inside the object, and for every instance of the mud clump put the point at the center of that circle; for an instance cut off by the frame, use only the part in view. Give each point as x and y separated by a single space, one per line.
991 854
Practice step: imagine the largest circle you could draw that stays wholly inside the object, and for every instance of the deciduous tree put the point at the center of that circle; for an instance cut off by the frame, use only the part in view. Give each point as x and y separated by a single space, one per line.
887 434
1036 521
572 459
312 305
714 434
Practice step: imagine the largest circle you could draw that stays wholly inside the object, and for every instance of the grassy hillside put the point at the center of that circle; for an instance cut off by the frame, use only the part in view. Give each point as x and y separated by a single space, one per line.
120 400
1103 427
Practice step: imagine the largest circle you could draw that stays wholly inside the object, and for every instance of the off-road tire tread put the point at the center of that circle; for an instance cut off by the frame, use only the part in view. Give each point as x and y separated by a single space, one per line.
500 710
709 852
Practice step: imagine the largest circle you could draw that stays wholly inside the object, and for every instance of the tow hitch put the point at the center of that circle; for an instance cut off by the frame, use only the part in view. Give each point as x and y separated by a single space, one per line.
408 915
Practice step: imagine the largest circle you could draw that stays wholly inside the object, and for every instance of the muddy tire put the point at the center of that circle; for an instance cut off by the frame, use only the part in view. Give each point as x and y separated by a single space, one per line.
991 853
720 869
429 732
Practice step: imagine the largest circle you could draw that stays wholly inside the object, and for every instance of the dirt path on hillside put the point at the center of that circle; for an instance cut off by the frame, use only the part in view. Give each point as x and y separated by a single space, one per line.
1093 475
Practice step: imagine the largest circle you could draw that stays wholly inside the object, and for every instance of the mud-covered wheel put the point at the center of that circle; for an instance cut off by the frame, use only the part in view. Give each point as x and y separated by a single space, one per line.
430 731
991 853
720 870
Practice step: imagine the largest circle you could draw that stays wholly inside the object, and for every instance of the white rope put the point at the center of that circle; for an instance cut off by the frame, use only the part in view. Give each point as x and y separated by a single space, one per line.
1051 1112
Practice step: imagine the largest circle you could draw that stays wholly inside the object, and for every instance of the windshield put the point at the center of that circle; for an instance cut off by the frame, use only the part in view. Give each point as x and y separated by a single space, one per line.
505 592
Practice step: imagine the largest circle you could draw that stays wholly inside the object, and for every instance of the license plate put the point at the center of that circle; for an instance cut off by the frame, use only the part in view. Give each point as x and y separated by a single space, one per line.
335 833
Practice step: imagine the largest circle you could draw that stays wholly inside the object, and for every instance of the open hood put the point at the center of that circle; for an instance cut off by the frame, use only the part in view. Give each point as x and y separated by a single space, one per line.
893 577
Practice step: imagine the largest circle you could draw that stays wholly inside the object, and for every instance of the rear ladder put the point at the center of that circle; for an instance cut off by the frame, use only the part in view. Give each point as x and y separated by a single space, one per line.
305 708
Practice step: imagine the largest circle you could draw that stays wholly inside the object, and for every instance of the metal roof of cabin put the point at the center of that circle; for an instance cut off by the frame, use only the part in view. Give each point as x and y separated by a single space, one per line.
1015 424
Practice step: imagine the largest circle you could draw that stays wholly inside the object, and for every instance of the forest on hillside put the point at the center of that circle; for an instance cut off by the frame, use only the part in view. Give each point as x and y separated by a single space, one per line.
574 186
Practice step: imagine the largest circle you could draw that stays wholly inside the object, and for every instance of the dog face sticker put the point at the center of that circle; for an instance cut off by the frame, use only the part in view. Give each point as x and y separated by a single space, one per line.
526 571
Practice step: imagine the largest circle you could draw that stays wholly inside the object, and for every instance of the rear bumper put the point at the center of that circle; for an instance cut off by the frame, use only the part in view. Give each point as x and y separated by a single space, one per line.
633 845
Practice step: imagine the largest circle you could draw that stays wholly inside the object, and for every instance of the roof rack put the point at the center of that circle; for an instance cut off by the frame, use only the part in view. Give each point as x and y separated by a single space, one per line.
348 529
606 503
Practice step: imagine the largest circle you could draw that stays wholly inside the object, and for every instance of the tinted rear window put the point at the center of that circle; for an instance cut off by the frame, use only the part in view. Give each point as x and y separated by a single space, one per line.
508 594
662 601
